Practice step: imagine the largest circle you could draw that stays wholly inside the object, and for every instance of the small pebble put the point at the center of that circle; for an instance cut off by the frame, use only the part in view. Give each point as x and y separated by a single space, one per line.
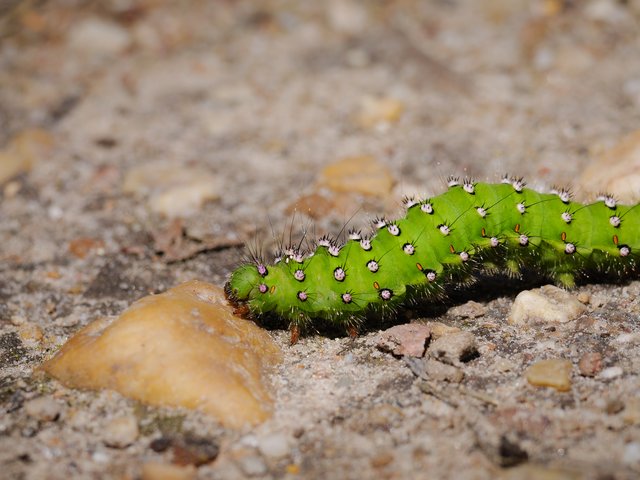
614 406
252 465
381 460
361 174
631 454
275 445
584 297
439 329
81 247
631 413
378 113
120 432
470 309
611 372
409 339
30 333
554 373
160 444
547 304
590 364
167 471
441 371
504 365
454 348
173 190
43 408
194 450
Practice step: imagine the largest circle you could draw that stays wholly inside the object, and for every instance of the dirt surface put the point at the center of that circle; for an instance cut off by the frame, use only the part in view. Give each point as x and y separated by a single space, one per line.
261 96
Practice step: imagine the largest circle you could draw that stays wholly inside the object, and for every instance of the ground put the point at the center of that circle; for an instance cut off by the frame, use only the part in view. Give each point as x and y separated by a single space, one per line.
256 98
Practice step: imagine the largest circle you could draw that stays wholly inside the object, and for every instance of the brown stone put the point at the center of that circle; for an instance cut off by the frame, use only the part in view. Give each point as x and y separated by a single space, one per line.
360 174
181 348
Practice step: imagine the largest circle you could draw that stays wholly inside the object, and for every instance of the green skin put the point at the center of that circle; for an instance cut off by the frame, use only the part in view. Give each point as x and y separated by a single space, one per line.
589 242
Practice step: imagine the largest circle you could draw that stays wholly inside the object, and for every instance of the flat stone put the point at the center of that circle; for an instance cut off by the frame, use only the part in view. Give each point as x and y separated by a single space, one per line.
180 348
409 339
554 373
470 309
454 348
546 305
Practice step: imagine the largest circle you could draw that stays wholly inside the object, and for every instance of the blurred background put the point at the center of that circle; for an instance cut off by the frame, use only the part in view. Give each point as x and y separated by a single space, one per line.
119 116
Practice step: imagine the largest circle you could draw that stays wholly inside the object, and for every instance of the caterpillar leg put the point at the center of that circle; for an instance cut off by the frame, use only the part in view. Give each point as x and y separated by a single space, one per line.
295 334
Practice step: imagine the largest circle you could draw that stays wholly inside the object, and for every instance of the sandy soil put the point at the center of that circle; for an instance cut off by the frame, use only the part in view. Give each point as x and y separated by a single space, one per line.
261 96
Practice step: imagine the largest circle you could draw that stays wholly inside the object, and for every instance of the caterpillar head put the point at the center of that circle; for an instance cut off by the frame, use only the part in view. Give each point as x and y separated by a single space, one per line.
243 281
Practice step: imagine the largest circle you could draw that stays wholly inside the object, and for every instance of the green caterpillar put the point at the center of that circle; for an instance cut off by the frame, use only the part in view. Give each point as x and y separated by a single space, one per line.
441 241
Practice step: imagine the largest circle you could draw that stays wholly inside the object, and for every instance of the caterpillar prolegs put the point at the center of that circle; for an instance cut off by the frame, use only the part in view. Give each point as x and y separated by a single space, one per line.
442 241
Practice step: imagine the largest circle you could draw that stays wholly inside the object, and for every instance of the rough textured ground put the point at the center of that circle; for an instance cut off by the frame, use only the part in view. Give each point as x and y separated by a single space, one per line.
258 97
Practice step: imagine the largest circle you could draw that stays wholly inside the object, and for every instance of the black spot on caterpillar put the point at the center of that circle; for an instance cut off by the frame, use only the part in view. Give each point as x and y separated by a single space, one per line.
442 241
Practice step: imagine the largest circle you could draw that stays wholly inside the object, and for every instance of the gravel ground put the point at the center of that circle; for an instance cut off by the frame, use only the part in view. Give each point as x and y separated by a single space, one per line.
256 98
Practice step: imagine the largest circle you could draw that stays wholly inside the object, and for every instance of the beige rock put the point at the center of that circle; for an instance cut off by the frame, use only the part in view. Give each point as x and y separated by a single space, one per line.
23 152
617 170
436 370
454 348
120 432
470 309
181 348
30 333
43 408
172 190
547 304
167 471
439 329
554 373
378 112
361 174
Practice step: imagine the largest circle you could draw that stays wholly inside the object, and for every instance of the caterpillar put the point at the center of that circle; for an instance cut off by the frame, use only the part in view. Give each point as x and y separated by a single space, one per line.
446 240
